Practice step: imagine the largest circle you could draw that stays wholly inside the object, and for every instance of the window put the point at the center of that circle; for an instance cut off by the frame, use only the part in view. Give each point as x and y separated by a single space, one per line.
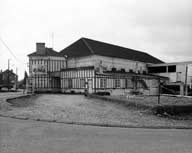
122 70
128 83
131 71
172 68
82 83
70 85
103 83
117 83
113 69
65 83
158 69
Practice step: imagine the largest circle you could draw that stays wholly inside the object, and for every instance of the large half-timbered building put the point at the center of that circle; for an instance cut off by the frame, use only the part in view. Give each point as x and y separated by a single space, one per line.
92 66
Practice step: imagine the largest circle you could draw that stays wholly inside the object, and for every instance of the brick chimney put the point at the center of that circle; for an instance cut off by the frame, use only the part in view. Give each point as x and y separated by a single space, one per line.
40 48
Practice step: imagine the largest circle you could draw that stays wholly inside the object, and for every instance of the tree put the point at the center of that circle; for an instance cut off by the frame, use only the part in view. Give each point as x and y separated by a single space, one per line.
25 79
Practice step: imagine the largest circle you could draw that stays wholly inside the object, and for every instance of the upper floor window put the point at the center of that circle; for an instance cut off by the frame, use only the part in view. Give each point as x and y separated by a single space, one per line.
113 69
157 69
172 68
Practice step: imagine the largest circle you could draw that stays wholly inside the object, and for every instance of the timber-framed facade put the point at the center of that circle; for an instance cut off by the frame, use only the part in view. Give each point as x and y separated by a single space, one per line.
91 66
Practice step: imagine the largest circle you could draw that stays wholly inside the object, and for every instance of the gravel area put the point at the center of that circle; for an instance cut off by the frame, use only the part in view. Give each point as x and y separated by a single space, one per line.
77 108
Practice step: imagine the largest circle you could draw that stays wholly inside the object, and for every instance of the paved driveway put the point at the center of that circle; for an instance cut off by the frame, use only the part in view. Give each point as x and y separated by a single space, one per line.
19 136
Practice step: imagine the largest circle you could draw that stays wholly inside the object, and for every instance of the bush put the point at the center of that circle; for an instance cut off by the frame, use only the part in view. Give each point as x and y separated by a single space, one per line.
103 93
135 92
172 109
72 92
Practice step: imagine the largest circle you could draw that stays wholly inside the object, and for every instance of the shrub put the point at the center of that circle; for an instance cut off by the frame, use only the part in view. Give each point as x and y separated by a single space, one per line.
172 109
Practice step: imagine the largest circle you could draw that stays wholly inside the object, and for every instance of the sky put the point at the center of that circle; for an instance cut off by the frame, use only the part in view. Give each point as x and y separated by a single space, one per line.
162 28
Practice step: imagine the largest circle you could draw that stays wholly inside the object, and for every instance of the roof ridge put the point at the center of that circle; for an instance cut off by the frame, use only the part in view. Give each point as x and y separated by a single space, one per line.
88 46
113 45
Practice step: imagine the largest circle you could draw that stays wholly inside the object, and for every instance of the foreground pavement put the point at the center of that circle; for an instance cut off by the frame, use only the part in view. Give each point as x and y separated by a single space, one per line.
24 136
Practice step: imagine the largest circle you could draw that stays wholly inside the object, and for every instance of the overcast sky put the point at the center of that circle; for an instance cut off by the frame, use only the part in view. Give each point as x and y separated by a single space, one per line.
162 28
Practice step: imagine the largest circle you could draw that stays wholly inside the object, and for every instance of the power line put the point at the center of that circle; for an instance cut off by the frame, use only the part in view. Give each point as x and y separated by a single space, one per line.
10 51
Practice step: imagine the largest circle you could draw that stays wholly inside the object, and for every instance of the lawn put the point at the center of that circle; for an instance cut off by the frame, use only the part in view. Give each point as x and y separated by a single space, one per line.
77 108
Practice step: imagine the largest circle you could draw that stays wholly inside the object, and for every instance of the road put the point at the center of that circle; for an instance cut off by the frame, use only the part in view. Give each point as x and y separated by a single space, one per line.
25 136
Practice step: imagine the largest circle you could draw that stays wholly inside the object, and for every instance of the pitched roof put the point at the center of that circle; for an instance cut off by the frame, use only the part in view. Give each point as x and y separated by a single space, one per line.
8 71
86 47
48 52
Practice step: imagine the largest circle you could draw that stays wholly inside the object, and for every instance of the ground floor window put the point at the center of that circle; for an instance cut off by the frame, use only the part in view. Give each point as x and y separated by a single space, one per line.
70 84
128 83
117 83
82 83
103 82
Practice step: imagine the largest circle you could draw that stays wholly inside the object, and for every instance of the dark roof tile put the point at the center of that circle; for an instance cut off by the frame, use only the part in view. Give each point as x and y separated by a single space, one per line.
86 47
76 49
48 52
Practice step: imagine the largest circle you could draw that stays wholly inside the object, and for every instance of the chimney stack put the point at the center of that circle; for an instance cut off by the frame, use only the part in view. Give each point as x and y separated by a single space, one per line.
40 48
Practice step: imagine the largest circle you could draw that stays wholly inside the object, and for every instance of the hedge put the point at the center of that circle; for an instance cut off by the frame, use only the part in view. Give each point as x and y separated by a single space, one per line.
172 109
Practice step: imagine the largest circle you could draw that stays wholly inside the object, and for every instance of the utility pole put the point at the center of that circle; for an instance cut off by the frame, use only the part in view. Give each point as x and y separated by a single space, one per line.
186 87
159 92
8 75
52 35
16 80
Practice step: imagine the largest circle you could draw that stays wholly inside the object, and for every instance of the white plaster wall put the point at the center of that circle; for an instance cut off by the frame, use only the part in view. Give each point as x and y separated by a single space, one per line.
107 63
182 68
80 62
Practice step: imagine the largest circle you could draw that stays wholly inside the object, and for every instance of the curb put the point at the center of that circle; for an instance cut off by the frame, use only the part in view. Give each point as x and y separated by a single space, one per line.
20 96
8 100
94 124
